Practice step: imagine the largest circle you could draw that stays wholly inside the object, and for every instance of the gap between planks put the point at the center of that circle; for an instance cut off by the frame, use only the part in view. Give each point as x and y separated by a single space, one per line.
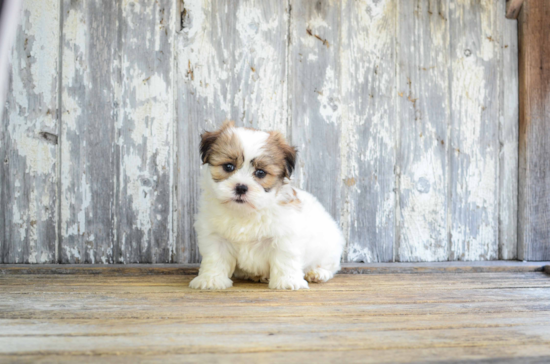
347 268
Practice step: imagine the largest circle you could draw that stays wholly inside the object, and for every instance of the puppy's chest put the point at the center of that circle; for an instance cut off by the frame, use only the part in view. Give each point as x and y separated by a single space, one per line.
251 244
242 231
253 257
249 240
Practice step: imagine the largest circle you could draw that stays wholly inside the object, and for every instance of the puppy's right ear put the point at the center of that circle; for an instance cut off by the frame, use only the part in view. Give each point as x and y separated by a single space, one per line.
208 139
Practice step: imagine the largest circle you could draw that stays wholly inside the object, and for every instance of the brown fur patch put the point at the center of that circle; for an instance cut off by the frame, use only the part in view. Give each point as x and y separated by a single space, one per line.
221 147
292 201
278 161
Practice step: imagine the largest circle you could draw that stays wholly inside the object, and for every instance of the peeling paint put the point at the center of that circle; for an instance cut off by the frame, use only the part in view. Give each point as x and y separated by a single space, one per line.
87 131
367 140
145 127
474 177
28 170
398 128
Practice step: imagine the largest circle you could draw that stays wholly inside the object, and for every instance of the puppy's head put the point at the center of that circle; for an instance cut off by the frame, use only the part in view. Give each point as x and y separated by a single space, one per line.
246 166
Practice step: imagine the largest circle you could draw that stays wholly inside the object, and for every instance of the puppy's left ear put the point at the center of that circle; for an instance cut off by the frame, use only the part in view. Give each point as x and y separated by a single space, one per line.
285 152
290 159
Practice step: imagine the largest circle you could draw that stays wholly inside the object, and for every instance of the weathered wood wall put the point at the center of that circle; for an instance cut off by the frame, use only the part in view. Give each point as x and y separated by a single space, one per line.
534 136
405 114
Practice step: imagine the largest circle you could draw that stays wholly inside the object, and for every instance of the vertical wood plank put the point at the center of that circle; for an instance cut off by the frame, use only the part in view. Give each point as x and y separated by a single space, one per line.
424 116
367 143
475 62
534 131
315 98
88 144
145 133
231 65
28 195
9 22
508 136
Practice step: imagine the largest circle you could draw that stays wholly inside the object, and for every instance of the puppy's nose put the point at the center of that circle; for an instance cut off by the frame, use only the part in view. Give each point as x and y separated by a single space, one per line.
241 189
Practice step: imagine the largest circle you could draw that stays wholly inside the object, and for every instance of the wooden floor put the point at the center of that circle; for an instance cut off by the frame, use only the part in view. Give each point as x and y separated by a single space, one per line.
503 316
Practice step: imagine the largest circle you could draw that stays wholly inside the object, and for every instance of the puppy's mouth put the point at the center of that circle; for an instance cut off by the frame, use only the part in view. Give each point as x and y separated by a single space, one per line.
242 201
238 200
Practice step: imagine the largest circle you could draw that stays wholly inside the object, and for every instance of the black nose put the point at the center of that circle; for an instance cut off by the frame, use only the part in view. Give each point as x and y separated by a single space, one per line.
241 189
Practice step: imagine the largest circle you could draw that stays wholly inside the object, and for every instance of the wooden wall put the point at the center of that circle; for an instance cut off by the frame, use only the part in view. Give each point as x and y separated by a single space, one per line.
534 131
405 114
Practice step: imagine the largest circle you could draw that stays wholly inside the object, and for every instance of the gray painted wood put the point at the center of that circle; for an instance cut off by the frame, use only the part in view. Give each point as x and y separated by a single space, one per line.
424 115
117 153
315 99
28 180
88 138
405 115
9 22
368 139
534 132
508 136
475 66
145 132
231 65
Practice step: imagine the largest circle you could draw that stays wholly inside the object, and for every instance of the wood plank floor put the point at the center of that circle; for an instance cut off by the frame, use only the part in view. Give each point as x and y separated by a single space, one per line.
457 317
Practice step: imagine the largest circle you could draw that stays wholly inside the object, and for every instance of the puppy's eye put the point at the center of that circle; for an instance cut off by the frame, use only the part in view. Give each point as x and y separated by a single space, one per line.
260 173
228 167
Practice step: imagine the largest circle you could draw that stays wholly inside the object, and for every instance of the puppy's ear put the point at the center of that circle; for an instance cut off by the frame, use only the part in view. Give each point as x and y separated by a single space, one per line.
290 159
286 153
208 139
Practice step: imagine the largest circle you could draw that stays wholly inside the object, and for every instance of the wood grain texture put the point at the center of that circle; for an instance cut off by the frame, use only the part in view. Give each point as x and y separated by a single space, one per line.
231 65
376 318
347 268
368 129
534 131
475 64
145 132
88 137
508 137
28 140
513 7
424 113
315 99
516 354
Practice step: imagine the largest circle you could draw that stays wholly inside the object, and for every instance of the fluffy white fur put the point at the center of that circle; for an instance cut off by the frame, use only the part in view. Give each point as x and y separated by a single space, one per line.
262 240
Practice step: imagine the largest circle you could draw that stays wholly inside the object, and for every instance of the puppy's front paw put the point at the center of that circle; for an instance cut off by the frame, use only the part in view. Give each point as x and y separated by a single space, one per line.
288 283
211 282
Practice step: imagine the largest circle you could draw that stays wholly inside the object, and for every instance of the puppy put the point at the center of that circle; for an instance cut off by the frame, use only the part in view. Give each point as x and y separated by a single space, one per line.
252 224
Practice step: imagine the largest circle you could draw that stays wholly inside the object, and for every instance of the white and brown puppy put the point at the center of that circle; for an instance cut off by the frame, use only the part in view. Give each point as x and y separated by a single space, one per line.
252 223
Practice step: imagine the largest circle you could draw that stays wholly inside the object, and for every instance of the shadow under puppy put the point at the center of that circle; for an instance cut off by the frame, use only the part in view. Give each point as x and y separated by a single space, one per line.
252 224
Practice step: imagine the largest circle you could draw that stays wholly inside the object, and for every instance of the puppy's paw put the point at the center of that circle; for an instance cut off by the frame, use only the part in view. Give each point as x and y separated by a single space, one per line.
288 283
211 282
318 275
